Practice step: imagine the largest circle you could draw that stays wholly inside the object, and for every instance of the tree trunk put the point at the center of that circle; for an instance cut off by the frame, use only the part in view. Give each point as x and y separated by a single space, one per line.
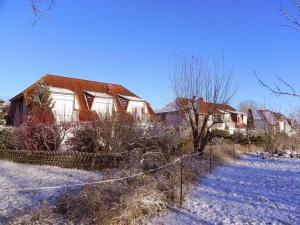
196 143
204 142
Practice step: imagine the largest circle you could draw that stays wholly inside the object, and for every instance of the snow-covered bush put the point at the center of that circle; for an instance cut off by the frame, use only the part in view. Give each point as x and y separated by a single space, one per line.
6 139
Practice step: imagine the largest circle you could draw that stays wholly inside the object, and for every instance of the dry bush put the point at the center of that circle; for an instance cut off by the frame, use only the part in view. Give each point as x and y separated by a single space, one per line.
95 204
105 134
249 148
222 153
6 139
145 203
81 139
121 202
34 136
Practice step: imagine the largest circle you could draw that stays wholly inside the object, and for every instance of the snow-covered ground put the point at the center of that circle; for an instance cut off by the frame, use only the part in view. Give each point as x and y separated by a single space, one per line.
19 176
250 191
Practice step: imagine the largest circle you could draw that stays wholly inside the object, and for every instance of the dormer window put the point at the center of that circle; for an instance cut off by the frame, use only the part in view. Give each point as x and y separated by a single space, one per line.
101 102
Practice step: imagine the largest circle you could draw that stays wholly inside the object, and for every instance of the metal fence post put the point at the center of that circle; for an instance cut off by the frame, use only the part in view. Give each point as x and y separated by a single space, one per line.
210 159
181 180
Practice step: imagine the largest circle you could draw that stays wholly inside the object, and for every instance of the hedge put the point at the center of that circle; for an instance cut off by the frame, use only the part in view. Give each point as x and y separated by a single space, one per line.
77 160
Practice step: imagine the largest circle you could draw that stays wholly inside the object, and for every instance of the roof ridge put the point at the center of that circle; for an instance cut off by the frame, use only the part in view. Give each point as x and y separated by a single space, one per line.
74 78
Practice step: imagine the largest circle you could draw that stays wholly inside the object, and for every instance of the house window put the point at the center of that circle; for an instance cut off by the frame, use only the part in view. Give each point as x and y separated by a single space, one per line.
217 118
137 111
103 105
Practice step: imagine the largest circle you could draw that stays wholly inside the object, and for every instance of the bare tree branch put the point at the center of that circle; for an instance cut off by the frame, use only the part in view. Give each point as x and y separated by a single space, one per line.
293 20
39 7
277 90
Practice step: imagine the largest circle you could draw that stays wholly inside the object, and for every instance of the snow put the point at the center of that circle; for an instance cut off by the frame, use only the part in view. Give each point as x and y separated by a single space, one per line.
19 176
251 190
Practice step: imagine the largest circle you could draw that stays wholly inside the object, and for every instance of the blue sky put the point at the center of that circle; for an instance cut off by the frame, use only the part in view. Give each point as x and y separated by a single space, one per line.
133 43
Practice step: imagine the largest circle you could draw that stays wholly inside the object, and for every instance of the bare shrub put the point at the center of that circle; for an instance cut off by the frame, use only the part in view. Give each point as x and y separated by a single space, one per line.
81 139
6 139
33 136
121 202
222 153
105 134
43 215
142 205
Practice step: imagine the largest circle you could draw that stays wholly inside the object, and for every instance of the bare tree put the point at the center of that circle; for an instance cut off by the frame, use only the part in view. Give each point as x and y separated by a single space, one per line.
293 20
193 79
39 7
295 115
246 105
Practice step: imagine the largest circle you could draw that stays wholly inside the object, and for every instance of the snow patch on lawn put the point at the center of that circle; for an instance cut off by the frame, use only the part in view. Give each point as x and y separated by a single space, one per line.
19 176
250 191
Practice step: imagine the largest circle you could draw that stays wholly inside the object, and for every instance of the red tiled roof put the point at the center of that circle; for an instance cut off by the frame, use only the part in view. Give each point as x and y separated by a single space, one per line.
204 107
79 86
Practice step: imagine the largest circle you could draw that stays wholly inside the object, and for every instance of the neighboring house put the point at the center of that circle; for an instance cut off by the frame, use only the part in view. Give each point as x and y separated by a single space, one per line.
278 122
229 118
80 100
3 111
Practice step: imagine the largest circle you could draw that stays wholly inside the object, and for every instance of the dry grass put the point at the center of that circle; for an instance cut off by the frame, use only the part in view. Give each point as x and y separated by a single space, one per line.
132 201
40 216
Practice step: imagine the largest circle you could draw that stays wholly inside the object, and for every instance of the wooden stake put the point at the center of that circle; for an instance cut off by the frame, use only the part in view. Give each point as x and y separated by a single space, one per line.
234 154
210 159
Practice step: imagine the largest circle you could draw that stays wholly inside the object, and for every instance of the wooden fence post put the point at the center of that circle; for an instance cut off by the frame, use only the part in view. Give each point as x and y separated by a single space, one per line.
210 159
234 153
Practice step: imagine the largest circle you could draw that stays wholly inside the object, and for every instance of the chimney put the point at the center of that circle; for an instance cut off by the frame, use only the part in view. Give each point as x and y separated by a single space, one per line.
201 99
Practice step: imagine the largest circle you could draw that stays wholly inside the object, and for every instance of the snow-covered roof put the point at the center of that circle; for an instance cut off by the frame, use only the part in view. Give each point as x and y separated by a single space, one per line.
98 94
235 111
131 98
266 115
257 115
61 90
171 107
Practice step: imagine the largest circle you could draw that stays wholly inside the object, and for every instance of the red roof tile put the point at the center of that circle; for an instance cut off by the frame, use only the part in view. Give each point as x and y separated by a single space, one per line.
204 106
